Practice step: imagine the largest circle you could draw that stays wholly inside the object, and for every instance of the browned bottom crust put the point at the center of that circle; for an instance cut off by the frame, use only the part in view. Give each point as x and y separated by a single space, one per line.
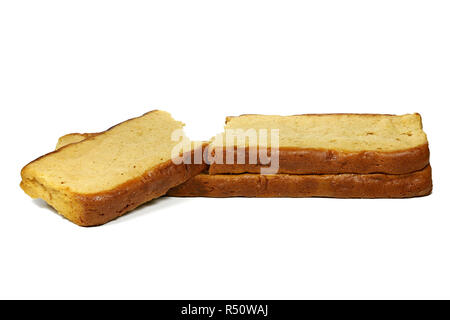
99 208
314 161
414 184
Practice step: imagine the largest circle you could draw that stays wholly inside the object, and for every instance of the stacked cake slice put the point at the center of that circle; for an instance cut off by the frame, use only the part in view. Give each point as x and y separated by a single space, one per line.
327 155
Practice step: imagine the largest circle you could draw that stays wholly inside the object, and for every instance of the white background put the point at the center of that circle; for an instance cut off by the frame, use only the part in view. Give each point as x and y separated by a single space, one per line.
82 66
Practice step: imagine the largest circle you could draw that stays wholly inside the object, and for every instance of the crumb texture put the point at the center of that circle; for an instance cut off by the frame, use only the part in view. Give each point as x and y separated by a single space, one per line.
341 132
107 160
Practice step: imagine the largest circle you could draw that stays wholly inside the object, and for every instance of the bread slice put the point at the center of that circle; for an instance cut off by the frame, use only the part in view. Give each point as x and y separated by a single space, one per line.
325 144
407 185
106 175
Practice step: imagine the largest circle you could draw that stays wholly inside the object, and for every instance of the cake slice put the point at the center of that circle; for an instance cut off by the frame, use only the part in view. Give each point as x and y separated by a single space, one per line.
321 144
108 174
345 185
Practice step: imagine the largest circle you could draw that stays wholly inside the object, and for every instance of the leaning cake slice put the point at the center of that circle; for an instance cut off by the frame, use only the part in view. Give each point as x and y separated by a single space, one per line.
106 175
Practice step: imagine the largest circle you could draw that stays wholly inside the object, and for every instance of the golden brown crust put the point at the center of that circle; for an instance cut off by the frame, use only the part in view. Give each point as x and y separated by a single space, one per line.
283 185
316 161
99 208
